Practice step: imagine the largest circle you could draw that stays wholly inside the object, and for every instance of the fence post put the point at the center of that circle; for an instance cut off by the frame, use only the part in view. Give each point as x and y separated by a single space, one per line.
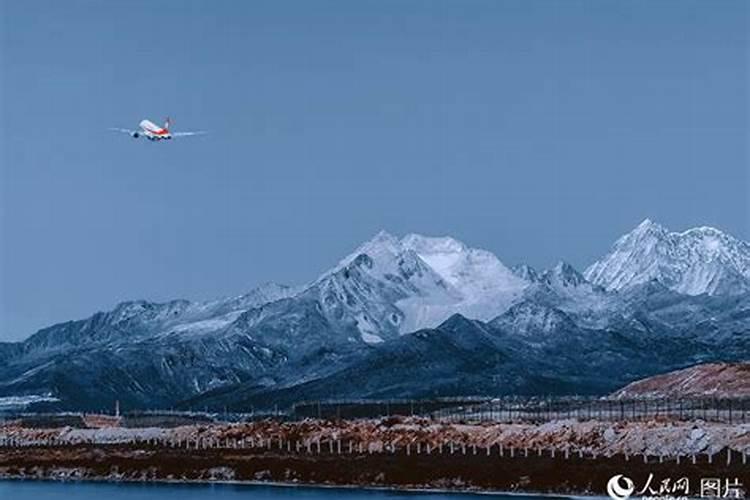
730 410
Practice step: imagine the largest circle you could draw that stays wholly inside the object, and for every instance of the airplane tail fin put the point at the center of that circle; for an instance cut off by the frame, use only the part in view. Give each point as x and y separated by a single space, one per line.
167 123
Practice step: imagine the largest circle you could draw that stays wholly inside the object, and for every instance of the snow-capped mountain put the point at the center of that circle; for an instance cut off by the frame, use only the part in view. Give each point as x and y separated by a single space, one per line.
414 315
698 261
392 286
530 318
482 286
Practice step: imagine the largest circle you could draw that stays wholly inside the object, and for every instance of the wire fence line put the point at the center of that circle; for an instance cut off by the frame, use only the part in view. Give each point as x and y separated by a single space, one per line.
536 409
279 445
458 409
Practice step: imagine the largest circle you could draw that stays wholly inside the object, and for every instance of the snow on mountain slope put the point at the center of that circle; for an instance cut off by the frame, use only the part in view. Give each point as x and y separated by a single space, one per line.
565 289
698 261
474 273
529 318
484 286
150 354
391 286
369 287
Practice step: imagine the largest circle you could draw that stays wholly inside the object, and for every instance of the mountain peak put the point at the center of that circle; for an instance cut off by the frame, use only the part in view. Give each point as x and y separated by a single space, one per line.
529 318
381 247
526 272
697 261
476 273
433 244
383 236
647 228
382 241
458 323
647 223
564 274
402 285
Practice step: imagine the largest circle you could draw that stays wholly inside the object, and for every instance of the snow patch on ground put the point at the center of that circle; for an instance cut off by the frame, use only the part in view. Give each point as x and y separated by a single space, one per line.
13 402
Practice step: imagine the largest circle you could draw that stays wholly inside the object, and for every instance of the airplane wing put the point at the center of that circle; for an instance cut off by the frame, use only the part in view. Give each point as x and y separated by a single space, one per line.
123 130
188 134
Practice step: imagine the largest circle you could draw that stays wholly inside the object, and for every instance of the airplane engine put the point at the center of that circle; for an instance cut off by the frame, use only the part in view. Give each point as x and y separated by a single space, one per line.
135 135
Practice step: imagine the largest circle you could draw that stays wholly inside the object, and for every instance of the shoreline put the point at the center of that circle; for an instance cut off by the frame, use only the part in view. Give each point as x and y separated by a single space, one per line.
281 484
557 459
532 475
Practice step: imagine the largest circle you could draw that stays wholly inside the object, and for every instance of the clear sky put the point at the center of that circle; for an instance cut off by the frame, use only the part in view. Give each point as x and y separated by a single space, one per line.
540 130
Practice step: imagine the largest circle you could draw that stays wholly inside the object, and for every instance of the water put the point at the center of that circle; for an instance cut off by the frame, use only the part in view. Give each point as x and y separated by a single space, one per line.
51 490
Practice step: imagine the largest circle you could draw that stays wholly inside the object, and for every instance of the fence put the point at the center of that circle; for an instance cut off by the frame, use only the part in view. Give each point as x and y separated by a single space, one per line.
331 447
466 409
535 409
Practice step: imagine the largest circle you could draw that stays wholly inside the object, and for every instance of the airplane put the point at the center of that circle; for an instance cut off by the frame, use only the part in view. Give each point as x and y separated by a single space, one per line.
153 132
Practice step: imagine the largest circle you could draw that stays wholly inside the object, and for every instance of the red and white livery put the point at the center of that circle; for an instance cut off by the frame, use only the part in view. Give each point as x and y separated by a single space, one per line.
153 132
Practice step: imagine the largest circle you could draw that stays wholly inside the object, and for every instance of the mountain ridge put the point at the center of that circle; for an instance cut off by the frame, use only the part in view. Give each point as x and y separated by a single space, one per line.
701 260
277 338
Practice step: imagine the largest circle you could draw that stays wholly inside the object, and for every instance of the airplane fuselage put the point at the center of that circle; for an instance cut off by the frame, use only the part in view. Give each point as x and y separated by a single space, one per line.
152 132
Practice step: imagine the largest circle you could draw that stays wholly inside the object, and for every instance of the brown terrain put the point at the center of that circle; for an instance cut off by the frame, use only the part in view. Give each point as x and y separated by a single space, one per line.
462 471
720 380
558 457
563 455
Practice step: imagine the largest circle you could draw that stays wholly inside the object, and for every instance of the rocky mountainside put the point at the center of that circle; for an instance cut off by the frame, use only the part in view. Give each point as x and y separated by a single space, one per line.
529 349
698 261
715 380
404 317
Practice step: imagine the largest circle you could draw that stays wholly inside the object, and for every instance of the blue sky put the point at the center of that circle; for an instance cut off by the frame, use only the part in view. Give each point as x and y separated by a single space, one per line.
540 130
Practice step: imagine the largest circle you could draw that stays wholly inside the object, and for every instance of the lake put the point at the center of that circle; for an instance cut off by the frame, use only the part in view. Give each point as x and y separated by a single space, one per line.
51 490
